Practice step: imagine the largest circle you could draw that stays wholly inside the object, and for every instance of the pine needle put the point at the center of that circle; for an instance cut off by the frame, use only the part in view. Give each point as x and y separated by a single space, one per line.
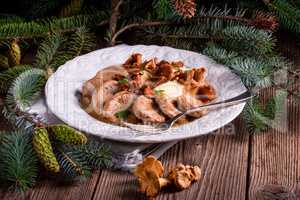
249 40
7 76
81 41
22 30
25 89
163 9
254 118
48 51
72 165
16 120
95 154
289 15
18 162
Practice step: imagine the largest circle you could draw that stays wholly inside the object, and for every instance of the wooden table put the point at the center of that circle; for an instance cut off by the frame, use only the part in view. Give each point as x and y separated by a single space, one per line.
240 166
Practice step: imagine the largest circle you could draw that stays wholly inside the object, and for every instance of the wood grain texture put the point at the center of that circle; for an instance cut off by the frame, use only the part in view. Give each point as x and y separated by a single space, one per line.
275 157
223 160
51 190
275 154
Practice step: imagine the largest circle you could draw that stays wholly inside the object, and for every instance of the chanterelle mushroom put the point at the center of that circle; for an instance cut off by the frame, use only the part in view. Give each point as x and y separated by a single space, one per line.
149 174
183 175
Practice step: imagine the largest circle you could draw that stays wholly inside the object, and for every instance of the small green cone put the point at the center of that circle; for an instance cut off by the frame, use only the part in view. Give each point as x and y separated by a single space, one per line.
43 148
67 134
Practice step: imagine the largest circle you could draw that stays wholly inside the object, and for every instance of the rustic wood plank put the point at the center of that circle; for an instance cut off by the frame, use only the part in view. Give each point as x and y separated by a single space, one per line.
275 154
51 190
222 158
275 157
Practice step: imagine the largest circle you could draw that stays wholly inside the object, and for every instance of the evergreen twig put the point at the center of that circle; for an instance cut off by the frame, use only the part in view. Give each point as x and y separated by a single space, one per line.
8 76
18 162
25 89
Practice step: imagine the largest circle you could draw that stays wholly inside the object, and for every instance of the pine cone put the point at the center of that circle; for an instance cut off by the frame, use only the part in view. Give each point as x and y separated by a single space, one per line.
67 134
14 53
185 8
43 148
264 21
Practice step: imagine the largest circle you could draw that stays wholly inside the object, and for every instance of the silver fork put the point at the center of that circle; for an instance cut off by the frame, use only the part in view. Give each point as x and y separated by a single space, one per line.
165 126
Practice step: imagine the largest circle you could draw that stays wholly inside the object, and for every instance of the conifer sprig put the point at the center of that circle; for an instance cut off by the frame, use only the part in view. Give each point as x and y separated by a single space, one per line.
8 76
72 165
289 15
41 28
18 163
25 89
95 154
48 51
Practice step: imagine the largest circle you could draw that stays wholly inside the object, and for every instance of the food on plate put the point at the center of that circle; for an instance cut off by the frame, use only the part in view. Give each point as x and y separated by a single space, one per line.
146 92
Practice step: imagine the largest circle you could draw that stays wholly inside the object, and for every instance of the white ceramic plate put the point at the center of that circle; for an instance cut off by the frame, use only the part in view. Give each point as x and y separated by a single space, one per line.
63 84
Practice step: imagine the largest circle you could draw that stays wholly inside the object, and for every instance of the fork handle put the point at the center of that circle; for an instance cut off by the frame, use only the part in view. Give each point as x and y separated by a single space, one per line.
221 104
228 102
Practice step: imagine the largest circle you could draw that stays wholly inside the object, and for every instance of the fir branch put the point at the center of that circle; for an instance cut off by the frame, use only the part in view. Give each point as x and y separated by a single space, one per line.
220 55
253 114
48 51
163 9
18 162
252 72
45 27
258 118
7 76
19 121
248 39
71 24
81 41
71 164
25 89
23 30
288 14
10 19
95 154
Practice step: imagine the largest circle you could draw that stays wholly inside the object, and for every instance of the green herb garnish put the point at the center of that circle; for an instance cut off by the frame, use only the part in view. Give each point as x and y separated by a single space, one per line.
122 114
158 92
123 81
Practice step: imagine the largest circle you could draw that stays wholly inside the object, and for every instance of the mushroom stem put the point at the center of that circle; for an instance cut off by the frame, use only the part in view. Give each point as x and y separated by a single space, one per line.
163 182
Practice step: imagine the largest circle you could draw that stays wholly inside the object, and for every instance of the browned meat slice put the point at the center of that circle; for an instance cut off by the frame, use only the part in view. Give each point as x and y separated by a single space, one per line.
106 74
94 104
119 102
144 110
103 93
166 105
187 101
